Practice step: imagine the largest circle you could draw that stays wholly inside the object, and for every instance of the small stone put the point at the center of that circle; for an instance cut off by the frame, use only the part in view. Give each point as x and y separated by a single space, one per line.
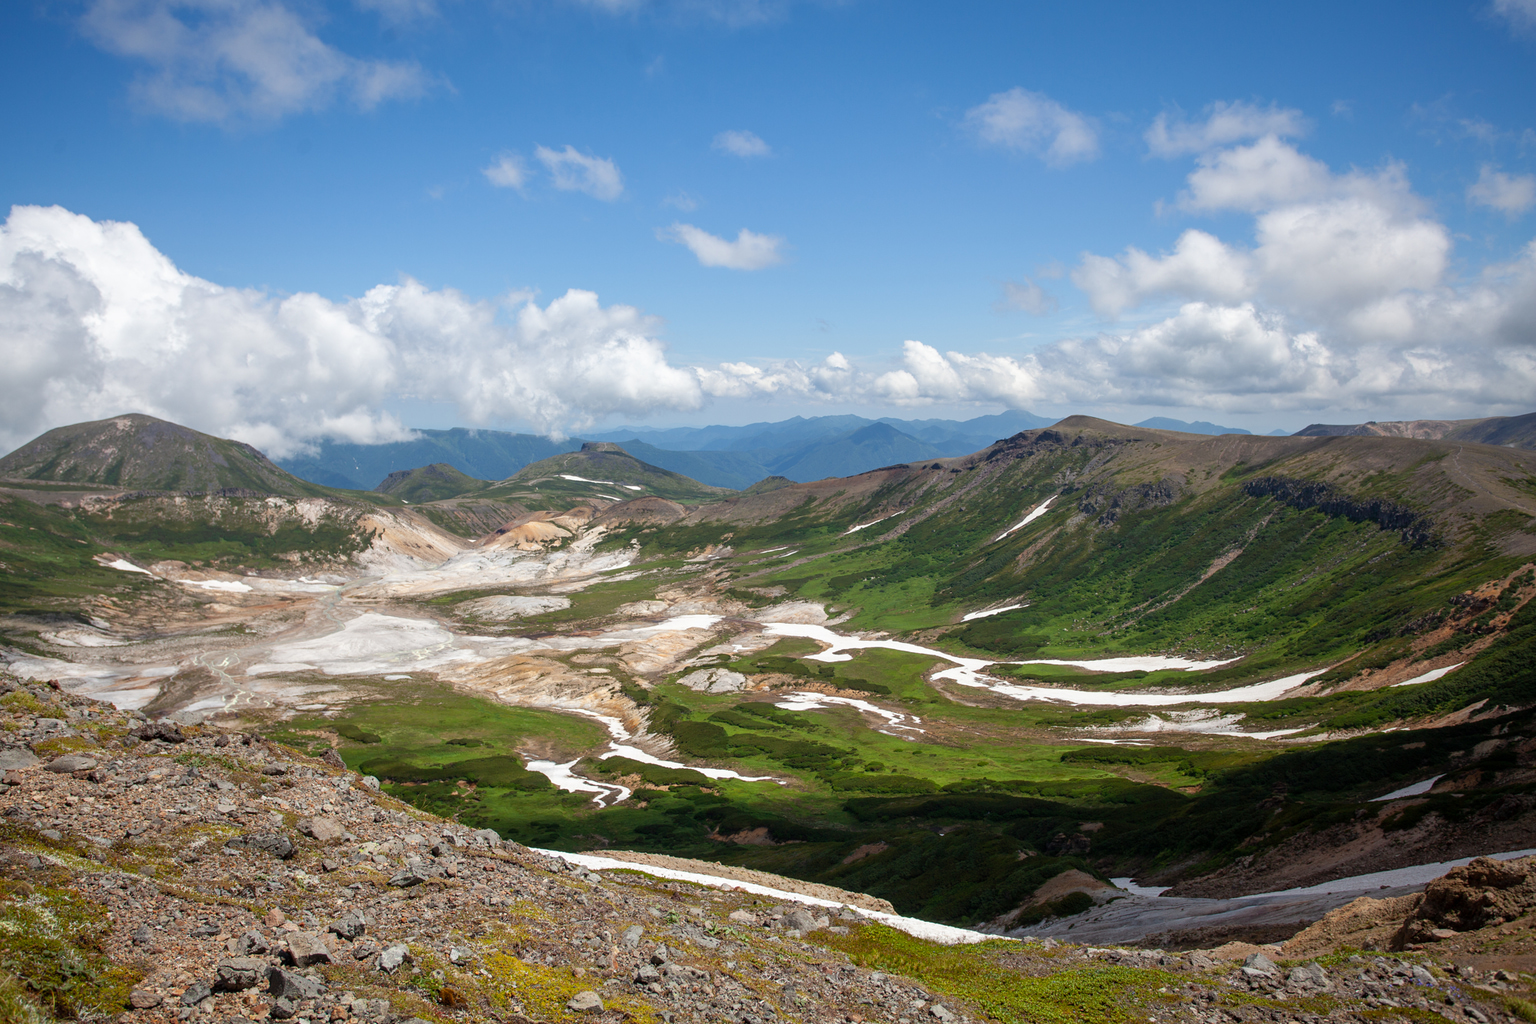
1308 975
742 917
632 935
406 877
240 973
143 935
585 1001
284 984
322 829
282 1009
53 835
1441 934
307 949
275 918
349 926
206 930
328 865
393 957
369 782
71 763
144 999
166 732
801 921
942 1012
646 975
195 993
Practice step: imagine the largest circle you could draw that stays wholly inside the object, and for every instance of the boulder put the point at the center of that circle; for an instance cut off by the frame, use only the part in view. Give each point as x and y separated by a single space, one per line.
585 1001
165 731
237 974
144 999
393 957
72 763
348 926
307 948
323 829
17 759
195 993
285 984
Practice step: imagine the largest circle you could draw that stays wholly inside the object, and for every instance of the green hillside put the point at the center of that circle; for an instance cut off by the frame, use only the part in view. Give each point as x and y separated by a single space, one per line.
138 452
600 471
429 483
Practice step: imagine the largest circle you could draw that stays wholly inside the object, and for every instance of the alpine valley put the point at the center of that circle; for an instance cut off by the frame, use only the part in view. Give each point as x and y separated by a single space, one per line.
1023 690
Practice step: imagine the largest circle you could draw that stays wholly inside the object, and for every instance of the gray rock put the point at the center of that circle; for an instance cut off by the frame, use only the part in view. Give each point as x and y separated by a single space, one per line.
285 984
240 973
714 680
167 732
942 1012
282 1008
72 763
585 1001
632 935
143 935
206 930
1261 963
144 999
17 759
323 829
646 975
251 942
485 836
272 843
408 876
348 926
801 920
53 835
195 993
1307 975
369 782
393 957
306 949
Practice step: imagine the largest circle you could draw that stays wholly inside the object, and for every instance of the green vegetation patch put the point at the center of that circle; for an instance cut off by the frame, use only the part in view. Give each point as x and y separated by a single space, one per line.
978 974
51 955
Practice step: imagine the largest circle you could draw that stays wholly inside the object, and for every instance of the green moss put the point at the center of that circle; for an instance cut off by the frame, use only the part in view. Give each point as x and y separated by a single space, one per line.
51 946
978 975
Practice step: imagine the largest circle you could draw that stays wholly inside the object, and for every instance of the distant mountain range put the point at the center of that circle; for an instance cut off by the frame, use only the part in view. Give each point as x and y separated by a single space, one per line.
1505 431
1197 427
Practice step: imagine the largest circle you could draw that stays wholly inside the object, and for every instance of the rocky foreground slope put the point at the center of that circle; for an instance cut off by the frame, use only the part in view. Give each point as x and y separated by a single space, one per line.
151 871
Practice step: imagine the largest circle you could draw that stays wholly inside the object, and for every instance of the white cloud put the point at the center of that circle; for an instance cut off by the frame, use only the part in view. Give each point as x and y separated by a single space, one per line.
1200 265
1510 194
1520 13
1027 296
1255 177
574 171
95 321
221 60
1224 124
1032 122
508 171
750 251
744 144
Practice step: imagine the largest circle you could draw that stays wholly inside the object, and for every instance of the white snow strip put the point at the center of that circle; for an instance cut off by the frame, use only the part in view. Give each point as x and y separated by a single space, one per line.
940 933
1413 790
971 672
127 566
968 616
872 522
632 487
1146 663
394 679
1431 675
584 480
1202 720
610 497
229 586
606 793
1035 513
621 747
806 701
1138 890
1419 874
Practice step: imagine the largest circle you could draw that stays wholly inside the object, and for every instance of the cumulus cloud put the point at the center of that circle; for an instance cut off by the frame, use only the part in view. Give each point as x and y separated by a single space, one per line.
508 171
1032 122
95 321
741 143
574 171
750 251
1255 177
1200 264
220 60
1510 194
1225 123
1027 296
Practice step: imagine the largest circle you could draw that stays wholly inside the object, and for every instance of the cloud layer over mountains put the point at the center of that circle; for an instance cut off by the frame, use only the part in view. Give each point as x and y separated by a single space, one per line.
1344 299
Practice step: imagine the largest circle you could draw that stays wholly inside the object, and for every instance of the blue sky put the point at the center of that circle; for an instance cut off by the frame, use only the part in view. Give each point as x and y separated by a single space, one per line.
282 219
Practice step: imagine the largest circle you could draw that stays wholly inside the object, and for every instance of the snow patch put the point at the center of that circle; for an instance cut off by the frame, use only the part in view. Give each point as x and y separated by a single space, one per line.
1035 513
1413 790
806 701
940 933
969 616
1431 675
872 522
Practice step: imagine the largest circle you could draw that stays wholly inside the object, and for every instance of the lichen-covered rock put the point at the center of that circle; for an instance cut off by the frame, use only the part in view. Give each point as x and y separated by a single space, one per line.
272 843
